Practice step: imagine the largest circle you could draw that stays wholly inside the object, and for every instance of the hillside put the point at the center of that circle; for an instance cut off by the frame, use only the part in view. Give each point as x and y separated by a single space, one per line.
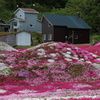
50 71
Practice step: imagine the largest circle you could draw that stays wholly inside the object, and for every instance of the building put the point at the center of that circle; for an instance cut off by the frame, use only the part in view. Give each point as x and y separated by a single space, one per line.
4 27
63 28
8 38
25 19
21 38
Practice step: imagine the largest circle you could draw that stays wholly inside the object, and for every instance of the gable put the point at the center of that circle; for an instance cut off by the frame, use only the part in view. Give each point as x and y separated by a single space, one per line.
17 19
68 21
1 21
23 32
26 10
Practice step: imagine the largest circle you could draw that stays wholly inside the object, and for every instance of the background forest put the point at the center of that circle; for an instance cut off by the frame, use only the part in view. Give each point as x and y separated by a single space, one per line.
89 9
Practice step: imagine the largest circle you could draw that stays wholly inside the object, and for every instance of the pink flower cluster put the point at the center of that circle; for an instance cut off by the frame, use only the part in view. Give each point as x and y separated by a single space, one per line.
79 99
94 49
50 67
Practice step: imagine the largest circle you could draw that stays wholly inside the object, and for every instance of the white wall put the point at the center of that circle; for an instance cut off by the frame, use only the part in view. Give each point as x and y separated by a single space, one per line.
23 39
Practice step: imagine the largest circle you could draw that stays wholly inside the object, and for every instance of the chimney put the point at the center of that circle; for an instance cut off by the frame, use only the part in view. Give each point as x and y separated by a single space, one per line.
78 14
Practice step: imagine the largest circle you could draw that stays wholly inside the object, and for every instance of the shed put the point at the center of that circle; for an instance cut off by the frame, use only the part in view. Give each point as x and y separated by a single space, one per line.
23 38
9 38
63 28
4 27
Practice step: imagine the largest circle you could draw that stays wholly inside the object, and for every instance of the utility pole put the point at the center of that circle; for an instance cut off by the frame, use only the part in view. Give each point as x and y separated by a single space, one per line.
72 37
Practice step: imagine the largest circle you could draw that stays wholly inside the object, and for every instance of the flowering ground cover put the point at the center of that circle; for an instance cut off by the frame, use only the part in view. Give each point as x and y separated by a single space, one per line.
94 49
49 71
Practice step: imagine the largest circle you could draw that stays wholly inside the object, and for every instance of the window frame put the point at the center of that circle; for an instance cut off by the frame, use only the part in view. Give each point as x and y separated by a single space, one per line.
44 36
49 36
32 25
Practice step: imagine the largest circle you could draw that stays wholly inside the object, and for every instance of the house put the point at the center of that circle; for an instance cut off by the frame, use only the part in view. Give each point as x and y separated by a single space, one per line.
4 27
63 28
25 19
21 38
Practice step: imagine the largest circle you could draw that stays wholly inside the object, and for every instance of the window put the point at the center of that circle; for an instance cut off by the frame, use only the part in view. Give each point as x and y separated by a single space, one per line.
32 25
14 23
49 36
44 36
20 15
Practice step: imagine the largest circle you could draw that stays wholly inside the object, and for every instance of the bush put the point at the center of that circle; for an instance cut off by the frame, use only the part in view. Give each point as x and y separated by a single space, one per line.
95 37
37 38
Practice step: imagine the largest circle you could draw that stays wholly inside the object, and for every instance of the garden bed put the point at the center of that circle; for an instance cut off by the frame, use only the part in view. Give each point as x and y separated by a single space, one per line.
50 71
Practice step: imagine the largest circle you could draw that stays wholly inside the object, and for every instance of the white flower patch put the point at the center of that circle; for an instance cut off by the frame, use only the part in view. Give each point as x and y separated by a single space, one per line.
2 91
52 47
88 62
96 65
4 70
58 90
81 59
94 55
53 44
35 47
76 48
85 57
4 46
68 59
68 48
41 52
67 55
98 58
2 54
69 52
75 55
45 56
26 91
75 58
53 54
80 85
51 60
28 99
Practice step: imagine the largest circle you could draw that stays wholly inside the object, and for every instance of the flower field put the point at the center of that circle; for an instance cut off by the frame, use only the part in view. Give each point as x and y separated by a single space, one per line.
50 71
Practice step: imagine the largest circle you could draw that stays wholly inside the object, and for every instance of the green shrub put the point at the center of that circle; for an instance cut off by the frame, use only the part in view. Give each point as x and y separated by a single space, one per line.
37 38
95 37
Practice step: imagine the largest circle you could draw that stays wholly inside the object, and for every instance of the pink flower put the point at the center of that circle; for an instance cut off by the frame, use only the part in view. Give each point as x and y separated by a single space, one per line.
24 73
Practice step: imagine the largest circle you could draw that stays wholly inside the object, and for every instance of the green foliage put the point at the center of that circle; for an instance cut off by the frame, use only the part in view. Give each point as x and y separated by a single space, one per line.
89 9
36 37
95 37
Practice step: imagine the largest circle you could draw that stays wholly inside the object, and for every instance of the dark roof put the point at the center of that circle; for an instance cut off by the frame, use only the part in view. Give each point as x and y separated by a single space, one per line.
17 19
69 21
4 34
23 31
28 10
2 22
